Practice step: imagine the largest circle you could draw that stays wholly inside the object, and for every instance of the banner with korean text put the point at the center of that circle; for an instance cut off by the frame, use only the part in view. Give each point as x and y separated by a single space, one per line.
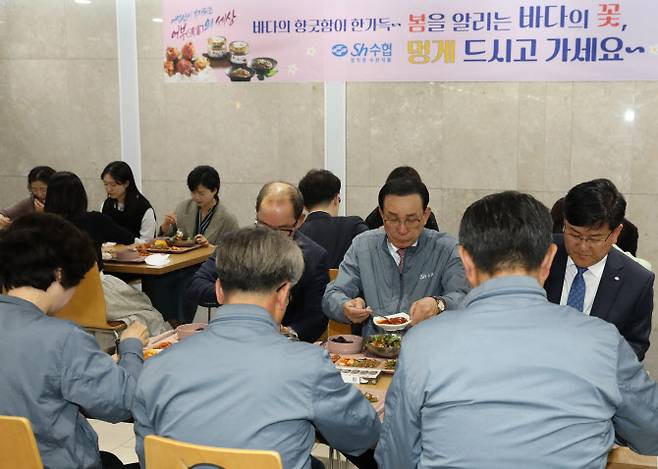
413 40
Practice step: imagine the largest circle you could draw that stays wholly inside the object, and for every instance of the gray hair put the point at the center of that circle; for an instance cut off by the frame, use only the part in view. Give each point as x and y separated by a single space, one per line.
257 259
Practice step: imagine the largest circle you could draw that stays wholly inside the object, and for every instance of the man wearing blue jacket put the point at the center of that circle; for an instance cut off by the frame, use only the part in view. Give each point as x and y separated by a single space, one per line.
511 380
242 384
400 267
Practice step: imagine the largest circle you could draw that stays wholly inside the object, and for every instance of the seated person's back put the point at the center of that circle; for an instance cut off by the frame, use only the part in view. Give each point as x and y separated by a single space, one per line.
51 369
279 206
514 381
243 384
321 192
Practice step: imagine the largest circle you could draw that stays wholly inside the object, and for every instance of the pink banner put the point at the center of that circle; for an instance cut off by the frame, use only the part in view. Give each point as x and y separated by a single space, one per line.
389 40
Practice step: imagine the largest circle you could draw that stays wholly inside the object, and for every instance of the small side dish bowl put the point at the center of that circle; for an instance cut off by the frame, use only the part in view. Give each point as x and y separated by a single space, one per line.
348 345
397 319
384 345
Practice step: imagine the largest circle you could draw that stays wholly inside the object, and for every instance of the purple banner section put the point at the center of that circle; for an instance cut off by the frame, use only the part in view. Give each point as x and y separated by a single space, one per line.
389 40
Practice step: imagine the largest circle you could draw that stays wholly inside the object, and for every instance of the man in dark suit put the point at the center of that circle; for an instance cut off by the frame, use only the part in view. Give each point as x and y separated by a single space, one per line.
593 277
279 206
321 191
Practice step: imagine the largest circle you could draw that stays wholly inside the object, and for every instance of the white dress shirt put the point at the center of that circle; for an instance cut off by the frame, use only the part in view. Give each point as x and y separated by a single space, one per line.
592 279
394 251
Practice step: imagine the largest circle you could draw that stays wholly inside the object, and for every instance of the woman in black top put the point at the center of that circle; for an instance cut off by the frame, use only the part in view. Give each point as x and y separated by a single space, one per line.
67 197
125 204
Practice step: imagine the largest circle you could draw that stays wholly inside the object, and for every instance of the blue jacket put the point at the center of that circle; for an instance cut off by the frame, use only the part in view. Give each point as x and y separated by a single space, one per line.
241 384
513 381
51 370
431 268
304 313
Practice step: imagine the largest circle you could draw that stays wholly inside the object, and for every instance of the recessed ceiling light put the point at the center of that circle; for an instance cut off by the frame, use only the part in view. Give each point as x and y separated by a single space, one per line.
629 116
156 20
82 2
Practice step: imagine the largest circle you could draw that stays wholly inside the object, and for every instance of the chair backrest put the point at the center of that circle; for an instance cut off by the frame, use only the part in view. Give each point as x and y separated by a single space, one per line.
87 306
165 453
18 448
333 273
623 457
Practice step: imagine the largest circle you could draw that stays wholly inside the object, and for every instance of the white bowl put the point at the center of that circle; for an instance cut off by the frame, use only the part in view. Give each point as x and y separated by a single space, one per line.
392 327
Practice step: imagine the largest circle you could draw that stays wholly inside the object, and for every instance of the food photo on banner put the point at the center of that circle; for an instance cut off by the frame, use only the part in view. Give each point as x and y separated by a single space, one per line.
388 40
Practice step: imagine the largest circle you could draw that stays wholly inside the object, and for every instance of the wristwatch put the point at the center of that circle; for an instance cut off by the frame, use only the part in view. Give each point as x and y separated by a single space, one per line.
440 304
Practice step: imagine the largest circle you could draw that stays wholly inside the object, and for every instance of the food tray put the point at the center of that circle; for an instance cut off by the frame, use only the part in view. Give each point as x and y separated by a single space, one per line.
380 365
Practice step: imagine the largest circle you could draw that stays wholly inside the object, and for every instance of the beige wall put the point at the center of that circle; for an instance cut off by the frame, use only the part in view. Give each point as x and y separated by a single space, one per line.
58 91
59 106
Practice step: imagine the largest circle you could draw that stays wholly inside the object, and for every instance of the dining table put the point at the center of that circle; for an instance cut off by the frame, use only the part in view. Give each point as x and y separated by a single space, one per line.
177 261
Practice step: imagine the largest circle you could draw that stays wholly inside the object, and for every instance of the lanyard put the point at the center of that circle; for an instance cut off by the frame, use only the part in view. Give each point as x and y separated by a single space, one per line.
202 225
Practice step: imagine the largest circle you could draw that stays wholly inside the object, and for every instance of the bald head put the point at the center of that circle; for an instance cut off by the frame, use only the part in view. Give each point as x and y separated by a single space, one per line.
280 195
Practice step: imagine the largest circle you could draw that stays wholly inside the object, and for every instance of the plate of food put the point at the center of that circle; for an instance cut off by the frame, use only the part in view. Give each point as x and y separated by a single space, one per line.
392 322
155 349
351 362
384 345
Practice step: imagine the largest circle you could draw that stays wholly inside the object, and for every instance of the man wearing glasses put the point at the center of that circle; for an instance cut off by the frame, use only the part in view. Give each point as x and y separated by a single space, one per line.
279 206
591 276
401 267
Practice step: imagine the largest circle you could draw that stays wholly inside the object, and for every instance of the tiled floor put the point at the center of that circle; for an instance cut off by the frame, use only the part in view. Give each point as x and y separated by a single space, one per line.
119 439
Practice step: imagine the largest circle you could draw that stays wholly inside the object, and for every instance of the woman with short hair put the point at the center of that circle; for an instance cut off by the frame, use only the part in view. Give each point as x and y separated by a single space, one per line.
125 204
201 217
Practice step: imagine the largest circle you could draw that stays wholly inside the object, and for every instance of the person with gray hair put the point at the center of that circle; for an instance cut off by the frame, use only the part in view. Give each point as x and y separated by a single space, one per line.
514 381
256 389
279 206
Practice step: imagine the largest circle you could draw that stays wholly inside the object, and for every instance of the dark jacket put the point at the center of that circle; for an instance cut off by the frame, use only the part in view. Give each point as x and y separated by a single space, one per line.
624 297
374 221
304 313
334 234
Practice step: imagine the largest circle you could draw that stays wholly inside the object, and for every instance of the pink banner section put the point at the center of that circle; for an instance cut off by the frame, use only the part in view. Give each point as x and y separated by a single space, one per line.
390 40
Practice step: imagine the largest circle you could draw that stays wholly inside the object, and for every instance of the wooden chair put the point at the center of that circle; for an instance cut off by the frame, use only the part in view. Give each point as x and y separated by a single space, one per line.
17 444
87 306
624 458
335 327
165 453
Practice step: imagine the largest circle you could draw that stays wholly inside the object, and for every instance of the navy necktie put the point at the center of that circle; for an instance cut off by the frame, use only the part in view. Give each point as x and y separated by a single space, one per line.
576 297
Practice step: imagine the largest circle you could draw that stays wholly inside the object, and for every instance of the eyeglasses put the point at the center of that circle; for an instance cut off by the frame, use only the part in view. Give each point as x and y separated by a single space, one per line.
587 239
407 222
287 230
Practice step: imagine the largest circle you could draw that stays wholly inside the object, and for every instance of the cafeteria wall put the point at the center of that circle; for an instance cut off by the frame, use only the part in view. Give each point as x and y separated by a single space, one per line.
58 92
59 105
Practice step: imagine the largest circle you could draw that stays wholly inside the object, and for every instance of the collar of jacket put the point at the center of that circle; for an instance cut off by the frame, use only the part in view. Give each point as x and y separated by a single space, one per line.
243 313
506 285
422 241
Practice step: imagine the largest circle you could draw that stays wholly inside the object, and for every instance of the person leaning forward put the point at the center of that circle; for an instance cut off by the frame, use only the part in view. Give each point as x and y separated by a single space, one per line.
255 389
400 267
511 380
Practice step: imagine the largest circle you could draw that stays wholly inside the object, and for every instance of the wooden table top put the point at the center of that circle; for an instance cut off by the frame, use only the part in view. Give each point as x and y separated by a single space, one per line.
178 261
